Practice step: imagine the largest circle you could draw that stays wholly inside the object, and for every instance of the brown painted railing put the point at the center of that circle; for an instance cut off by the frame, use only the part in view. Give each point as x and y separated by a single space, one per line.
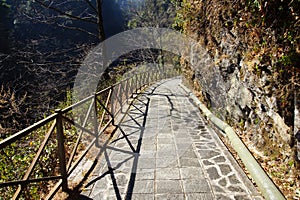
99 111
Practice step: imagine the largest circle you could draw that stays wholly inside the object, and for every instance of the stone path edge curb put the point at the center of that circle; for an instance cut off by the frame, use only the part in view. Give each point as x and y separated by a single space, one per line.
267 187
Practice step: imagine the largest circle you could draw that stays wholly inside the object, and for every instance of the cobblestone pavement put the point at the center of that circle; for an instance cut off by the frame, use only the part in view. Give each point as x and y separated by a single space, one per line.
165 150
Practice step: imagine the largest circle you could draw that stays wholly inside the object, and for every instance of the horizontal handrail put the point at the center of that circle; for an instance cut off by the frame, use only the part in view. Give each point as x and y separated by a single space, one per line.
26 131
18 182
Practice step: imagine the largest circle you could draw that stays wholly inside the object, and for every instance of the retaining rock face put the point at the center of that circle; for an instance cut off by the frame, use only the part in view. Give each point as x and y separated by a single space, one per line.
245 81
243 99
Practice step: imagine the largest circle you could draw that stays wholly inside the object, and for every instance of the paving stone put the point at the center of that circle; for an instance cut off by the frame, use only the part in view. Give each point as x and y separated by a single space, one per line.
143 187
234 188
205 135
185 146
202 196
147 154
213 173
191 173
165 135
169 197
166 154
142 197
163 141
220 159
148 146
189 162
233 179
146 163
220 189
166 162
206 154
225 169
196 137
107 194
167 173
189 153
166 147
223 182
195 186
241 197
145 174
206 162
223 197
168 186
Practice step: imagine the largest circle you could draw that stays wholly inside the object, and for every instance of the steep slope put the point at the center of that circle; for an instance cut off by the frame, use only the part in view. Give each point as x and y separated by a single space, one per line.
254 78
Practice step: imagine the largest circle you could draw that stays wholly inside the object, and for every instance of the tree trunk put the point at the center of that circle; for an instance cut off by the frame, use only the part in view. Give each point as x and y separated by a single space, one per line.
100 21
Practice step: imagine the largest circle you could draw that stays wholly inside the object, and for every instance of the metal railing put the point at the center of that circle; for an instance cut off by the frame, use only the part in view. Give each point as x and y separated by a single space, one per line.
99 112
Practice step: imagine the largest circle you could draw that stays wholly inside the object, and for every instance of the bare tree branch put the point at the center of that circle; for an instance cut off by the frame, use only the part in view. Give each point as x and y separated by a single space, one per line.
78 29
92 6
64 13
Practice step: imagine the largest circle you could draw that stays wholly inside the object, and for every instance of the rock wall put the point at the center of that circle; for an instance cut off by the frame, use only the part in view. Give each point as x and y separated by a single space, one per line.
245 99
251 78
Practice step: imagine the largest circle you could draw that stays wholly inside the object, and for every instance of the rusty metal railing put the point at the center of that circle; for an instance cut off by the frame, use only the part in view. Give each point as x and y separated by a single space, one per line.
55 138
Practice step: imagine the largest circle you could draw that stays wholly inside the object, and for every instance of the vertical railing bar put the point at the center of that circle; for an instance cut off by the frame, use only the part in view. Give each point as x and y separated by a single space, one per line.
80 135
61 150
35 159
116 100
129 88
140 80
106 108
112 106
126 91
119 95
137 82
123 94
96 121
134 83
106 105
116 95
144 78
131 85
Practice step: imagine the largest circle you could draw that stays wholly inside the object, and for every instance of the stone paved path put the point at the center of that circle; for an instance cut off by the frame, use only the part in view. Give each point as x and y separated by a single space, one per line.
165 151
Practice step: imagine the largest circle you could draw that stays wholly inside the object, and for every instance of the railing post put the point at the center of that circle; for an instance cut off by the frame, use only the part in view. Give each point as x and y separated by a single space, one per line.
136 83
112 100
126 90
61 150
96 126
148 78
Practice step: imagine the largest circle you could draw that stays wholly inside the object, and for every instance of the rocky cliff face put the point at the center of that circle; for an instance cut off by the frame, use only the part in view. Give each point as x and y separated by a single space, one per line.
254 67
